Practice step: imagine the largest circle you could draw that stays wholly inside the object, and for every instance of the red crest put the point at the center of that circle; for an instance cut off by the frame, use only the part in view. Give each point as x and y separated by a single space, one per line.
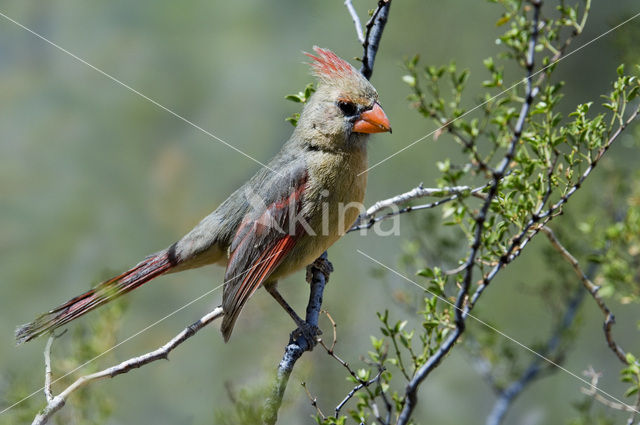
328 66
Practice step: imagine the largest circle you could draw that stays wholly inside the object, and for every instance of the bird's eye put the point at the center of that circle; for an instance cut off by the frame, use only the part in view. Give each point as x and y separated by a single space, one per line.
347 108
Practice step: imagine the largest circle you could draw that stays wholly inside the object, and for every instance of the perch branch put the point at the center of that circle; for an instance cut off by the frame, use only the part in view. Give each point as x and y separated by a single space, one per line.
56 403
317 276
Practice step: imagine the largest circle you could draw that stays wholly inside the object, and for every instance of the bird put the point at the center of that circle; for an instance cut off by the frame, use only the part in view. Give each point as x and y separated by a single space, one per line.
282 218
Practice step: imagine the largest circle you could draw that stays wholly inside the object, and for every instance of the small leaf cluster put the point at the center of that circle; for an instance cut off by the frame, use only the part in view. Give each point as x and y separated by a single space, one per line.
545 159
615 237
300 97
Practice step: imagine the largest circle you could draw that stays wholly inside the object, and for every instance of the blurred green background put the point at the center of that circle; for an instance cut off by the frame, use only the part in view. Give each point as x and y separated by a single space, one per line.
93 178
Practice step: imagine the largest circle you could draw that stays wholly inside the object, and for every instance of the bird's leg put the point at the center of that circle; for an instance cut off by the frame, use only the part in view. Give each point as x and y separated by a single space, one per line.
273 290
308 331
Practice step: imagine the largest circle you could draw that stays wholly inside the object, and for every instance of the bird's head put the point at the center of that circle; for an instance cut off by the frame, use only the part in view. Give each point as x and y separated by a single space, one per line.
344 107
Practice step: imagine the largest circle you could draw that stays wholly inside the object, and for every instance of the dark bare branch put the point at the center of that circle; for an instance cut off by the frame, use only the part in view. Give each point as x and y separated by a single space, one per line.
317 276
373 35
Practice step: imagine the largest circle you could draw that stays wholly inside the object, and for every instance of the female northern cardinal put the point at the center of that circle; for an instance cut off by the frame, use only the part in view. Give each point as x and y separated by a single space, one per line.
283 218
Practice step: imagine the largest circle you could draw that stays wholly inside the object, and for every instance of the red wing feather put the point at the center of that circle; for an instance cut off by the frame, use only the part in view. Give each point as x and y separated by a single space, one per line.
258 248
267 263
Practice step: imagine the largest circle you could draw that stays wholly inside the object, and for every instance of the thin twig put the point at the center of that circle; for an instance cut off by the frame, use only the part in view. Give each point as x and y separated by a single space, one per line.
334 327
591 391
360 383
593 289
368 218
355 389
314 401
356 20
47 369
57 402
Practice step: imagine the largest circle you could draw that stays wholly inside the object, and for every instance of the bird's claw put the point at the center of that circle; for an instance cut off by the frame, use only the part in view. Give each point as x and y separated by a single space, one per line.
307 331
321 264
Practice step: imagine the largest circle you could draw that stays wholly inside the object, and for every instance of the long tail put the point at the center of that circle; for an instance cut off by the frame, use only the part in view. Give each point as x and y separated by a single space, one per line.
150 267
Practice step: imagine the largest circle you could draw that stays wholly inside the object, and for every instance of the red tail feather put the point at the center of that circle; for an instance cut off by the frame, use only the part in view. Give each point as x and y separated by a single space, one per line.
143 272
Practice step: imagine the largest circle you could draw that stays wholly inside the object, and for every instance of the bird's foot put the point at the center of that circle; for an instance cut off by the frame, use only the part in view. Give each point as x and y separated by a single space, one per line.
307 331
321 264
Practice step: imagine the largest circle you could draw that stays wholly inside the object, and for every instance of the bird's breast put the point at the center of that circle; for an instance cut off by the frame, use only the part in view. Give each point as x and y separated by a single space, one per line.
332 202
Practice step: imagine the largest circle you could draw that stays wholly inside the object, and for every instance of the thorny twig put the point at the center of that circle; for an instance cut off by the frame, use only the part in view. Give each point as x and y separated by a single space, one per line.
56 403
593 289
592 391
370 217
314 401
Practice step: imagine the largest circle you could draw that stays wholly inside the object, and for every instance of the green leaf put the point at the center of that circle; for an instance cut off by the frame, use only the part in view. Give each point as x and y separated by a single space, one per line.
503 20
294 98
410 80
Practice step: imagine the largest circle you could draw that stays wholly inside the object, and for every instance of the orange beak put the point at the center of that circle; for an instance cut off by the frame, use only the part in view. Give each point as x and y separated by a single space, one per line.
372 121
